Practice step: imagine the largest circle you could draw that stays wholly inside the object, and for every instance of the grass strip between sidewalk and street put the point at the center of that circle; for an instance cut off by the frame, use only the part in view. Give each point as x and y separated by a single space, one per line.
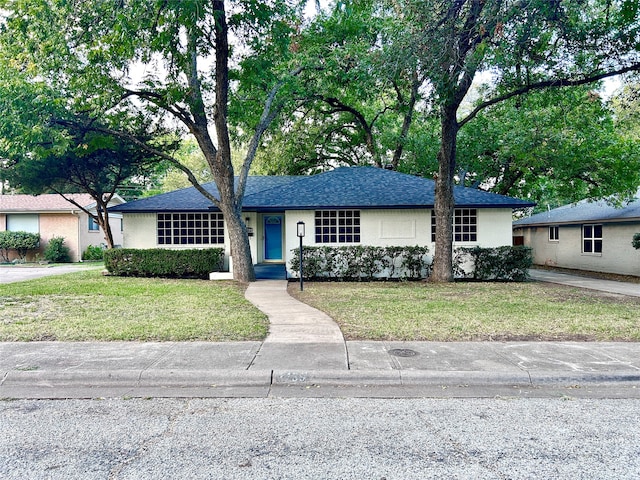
473 311
88 306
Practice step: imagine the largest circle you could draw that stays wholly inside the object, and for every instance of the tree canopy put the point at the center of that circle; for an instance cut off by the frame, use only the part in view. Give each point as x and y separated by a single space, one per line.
375 81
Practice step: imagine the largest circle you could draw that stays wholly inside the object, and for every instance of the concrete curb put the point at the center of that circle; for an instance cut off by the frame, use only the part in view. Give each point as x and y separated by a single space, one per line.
295 383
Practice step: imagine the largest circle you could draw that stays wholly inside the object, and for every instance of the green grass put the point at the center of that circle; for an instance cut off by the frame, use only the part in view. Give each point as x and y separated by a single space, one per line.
473 311
89 306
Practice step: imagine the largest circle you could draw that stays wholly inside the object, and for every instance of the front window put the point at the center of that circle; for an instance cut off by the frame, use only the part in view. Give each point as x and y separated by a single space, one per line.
337 226
93 225
592 239
554 234
465 225
190 228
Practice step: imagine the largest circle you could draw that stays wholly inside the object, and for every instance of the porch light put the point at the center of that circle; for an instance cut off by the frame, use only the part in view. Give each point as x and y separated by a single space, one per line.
300 235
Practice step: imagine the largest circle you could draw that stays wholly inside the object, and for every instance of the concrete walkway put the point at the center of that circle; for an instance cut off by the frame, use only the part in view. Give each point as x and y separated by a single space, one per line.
300 337
610 286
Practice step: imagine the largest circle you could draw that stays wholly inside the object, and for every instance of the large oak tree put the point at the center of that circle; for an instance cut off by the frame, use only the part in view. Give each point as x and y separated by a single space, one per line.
165 63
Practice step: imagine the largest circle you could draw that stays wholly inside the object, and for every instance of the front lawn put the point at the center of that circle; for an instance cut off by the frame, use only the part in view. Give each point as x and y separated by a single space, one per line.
89 306
473 311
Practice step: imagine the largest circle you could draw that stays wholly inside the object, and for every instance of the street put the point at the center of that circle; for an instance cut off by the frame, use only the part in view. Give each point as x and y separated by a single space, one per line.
316 438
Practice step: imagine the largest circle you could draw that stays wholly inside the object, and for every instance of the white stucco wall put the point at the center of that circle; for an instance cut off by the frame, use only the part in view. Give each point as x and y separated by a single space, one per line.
377 227
618 256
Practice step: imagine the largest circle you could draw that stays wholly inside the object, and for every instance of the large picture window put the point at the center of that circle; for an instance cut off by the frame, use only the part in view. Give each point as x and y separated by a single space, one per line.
337 226
592 239
465 225
190 229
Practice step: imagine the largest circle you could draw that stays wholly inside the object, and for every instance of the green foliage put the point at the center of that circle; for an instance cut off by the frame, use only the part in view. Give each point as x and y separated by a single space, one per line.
93 253
636 241
161 262
362 262
21 242
502 263
56 251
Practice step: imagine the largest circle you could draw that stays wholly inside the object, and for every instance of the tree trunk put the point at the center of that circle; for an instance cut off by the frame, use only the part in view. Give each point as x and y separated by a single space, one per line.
444 201
243 270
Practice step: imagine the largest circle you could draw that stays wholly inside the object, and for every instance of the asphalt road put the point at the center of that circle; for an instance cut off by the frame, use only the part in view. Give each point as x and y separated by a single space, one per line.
277 438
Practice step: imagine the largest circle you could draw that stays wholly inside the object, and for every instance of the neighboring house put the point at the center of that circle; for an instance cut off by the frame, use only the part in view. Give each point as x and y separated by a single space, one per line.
346 206
585 236
50 215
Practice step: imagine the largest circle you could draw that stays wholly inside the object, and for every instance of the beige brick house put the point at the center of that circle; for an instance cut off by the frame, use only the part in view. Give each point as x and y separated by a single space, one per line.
51 215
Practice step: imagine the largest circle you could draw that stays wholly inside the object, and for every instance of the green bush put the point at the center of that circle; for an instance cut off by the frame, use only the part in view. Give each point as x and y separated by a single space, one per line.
93 253
21 242
500 263
56 251
362 262
636 241
159 262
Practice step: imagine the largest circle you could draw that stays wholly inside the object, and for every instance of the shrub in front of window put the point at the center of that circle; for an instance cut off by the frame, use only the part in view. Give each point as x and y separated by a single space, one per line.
93 253
159 262
21 242
56 251
362 262
501 263
636 241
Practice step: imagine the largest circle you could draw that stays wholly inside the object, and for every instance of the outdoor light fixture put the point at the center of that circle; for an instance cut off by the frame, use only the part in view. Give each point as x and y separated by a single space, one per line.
300 235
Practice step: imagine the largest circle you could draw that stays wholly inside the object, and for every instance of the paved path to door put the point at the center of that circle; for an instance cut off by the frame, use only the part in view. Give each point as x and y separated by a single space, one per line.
300 337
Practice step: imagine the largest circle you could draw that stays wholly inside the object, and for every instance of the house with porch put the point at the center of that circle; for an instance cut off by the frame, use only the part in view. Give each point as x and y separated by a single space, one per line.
50 215
594 236
345 206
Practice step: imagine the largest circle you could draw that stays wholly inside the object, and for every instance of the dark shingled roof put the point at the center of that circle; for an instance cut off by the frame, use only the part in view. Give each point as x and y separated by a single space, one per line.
346 187
585 212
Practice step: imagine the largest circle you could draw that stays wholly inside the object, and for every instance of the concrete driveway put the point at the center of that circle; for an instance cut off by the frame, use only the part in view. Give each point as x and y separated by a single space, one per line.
20 273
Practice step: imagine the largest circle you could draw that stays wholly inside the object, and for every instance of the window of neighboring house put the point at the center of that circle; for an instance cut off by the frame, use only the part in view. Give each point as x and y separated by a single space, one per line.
190 228
93 225
465 225
554 233
23 222
592 239
337 226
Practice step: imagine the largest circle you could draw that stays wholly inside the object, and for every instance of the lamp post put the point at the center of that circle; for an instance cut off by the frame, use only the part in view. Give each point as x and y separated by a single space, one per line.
300 236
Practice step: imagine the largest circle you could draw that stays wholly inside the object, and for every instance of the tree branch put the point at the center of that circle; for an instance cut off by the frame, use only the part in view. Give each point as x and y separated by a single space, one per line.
557 83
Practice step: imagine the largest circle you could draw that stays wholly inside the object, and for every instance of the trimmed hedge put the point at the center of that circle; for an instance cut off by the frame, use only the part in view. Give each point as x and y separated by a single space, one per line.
362 262
159 262
500 263
21 242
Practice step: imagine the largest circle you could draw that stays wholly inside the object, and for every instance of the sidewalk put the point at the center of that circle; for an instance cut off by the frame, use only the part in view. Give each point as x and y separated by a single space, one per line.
306 355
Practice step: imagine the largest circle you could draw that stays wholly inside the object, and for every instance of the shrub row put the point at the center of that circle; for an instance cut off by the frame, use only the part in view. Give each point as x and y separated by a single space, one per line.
160 262
501 263
21 242
361 262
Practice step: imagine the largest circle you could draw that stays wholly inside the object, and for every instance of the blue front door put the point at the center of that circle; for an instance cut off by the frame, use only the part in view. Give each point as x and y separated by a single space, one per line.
273 237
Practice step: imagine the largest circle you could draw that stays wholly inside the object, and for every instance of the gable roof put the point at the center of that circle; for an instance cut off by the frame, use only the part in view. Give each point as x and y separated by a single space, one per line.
585 212
47 202
345 187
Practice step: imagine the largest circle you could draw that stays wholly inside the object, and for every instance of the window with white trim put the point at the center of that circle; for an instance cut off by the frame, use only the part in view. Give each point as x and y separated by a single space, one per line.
592 239
554 233
465 225
190 228
337 226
